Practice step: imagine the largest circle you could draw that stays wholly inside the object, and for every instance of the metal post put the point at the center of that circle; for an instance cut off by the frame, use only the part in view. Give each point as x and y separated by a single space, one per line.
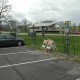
42 32
67 40
33 36
0 26
67 43
0 22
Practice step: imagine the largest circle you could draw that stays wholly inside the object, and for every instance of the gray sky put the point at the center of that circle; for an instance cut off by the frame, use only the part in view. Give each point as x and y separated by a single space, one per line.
36 10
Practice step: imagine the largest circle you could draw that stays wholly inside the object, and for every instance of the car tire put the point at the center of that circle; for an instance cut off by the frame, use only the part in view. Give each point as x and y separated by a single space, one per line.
19 43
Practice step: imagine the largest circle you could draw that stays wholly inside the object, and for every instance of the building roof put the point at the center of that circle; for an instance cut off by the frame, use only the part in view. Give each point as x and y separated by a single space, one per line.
44 24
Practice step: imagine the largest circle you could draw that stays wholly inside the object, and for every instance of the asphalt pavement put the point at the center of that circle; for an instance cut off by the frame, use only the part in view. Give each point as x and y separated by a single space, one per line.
22 63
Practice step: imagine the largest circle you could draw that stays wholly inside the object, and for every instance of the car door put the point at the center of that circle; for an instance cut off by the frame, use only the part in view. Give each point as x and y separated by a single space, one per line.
2 41
10 40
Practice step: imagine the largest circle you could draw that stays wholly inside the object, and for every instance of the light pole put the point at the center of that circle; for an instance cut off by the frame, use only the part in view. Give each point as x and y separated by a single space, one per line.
67 39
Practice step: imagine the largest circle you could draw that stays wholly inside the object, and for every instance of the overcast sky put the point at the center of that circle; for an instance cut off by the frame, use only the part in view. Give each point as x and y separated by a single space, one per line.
36 10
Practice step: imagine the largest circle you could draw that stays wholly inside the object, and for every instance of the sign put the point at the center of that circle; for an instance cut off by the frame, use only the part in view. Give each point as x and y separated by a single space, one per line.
66 29
31 30
67 23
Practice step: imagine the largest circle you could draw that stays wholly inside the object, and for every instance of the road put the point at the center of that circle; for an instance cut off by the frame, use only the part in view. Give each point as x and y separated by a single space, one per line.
22 63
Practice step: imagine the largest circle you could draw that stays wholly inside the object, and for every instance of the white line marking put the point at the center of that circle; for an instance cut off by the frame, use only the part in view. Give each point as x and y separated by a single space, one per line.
14 47
16 53
78 79
27 62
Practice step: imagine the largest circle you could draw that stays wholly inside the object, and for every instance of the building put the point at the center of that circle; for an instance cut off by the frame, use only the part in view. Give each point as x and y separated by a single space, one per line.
47 27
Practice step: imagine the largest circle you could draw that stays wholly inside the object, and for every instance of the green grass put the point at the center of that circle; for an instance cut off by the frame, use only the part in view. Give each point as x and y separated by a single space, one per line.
59 40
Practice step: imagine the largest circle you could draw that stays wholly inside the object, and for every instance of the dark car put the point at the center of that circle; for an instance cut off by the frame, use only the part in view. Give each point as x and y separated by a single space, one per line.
10 40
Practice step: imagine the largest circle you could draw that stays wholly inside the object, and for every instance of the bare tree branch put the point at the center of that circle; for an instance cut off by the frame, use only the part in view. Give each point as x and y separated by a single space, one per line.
4 9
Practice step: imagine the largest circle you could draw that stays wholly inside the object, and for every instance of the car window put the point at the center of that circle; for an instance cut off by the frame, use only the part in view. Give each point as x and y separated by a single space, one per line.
2 36
9 37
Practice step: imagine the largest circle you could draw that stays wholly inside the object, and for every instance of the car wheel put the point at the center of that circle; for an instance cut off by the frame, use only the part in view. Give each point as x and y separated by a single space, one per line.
19 43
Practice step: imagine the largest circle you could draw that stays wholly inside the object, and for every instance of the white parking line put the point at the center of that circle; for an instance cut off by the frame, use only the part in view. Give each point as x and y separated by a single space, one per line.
78 79
13 47
28 62
17 53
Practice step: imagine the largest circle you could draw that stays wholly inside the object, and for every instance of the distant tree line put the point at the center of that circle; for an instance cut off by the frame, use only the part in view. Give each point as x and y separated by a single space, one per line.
15 26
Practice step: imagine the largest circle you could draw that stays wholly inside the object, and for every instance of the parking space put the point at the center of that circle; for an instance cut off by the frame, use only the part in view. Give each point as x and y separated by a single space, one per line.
22 63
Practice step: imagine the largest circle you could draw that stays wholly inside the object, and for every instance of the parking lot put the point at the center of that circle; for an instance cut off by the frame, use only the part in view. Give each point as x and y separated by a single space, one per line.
22 63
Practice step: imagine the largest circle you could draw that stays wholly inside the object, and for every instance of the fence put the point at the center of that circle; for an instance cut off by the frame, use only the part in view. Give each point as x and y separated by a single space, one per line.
74 46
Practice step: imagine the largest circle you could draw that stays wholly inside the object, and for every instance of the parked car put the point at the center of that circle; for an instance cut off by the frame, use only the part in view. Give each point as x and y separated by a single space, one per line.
77 33
10 40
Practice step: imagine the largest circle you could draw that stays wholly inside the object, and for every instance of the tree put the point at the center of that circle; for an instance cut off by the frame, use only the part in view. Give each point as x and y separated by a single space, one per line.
25 24
79 27
4 9
13 25
74 27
